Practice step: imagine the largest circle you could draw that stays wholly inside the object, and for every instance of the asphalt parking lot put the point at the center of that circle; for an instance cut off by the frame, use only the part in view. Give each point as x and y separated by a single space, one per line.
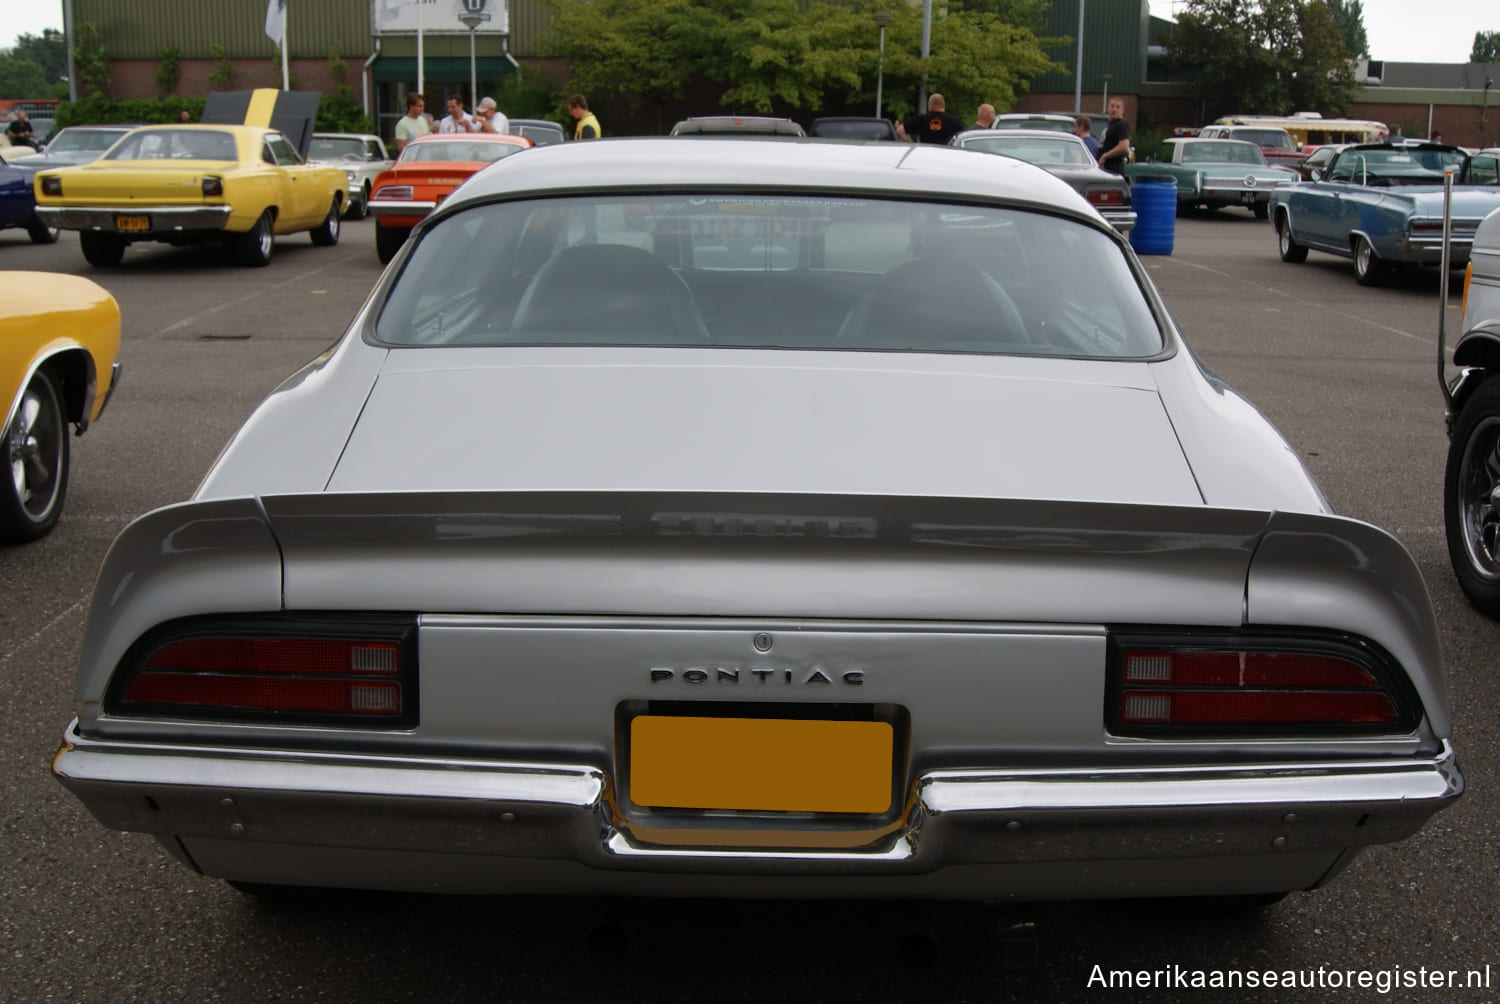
1348 373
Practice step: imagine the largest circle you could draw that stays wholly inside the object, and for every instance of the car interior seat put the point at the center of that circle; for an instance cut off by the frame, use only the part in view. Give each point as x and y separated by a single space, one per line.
939 302
610 289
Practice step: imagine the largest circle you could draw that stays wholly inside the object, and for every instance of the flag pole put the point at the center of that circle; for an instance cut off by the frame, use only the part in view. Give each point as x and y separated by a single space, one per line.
285 76
421 79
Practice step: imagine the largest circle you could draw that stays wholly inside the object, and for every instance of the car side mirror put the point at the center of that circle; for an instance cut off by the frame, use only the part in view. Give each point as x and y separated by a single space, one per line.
1316 174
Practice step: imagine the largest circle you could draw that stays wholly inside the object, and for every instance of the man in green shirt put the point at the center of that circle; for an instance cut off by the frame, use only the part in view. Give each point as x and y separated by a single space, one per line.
412 124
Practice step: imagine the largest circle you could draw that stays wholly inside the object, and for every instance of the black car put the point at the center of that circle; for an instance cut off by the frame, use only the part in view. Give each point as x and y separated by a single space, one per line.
853 127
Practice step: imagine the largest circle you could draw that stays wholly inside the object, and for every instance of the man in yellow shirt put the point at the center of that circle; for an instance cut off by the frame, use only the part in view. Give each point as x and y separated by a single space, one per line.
588 126
412 124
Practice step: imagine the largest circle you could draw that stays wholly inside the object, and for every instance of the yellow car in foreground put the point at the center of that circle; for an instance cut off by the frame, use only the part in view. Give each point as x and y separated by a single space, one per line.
236 185
58 365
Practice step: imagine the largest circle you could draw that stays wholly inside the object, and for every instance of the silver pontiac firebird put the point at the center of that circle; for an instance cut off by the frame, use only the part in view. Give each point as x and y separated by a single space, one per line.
762 519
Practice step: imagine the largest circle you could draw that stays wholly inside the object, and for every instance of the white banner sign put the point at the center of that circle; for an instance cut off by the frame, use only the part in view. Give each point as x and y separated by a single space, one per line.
403 17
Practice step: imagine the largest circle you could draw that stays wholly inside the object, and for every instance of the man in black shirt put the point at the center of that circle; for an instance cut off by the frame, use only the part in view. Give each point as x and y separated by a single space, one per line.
20 132
1115 147
937 126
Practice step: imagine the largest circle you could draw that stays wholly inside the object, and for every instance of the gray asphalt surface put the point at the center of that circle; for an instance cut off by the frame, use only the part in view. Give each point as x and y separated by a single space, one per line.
86 914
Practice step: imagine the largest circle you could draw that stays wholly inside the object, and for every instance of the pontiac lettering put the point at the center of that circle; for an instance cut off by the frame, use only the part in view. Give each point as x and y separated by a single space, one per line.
759 674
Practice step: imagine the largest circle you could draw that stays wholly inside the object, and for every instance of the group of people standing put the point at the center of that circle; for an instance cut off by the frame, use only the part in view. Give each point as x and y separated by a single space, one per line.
487 117
938 125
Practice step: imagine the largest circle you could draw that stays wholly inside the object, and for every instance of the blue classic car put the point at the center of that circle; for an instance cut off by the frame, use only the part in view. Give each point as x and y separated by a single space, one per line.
18 202
1381 204
1214 173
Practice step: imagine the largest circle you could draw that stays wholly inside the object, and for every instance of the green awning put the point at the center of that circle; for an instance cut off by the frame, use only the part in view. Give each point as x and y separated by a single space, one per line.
441 69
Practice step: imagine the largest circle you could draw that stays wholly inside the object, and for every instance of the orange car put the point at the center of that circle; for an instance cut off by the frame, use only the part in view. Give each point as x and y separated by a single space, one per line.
426 173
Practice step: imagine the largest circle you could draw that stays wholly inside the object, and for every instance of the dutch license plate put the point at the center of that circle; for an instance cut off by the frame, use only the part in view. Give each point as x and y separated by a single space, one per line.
1248 198
761 764
132 223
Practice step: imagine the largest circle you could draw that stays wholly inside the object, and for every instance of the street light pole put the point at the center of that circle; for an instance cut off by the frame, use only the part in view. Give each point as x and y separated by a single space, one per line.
473 19
926 52
1078 65
882 19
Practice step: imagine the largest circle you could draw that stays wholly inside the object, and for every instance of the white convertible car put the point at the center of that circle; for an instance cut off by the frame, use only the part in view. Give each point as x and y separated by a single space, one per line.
762 518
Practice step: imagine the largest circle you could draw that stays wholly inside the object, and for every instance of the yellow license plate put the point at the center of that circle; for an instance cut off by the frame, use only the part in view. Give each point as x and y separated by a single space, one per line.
132 223
761 764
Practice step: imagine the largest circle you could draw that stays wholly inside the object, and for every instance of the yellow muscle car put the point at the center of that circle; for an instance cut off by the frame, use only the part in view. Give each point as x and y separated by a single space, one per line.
57 366
236 185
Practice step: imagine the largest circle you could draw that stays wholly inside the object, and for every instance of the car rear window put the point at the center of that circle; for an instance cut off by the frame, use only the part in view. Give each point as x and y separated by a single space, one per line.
175 144
773 271
474 151
1034 149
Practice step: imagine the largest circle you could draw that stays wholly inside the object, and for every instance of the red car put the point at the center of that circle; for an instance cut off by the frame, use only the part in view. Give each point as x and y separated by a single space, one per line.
427 171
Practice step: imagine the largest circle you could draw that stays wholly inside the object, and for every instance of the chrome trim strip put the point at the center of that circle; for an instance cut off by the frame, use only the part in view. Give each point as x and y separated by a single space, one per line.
116 372
102 218
388 207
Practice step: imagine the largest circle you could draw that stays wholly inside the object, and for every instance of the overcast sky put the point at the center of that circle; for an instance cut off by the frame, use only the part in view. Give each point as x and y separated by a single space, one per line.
1404 31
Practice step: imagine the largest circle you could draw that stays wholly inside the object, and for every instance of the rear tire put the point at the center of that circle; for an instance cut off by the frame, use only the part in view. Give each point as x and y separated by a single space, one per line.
1291 251
388 241
35 480
254 248
1369 270
326 234
102 250
1471 509
40 233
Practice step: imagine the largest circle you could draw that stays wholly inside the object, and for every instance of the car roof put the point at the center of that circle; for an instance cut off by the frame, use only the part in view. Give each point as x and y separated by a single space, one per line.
741 124
1047 134
641 164
344 135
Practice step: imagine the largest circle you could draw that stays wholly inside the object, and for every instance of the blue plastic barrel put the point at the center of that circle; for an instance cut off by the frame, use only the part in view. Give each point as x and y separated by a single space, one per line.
1154 200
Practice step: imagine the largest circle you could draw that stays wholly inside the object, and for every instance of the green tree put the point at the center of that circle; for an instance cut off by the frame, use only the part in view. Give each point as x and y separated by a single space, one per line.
169 69
1263 56
91 62
223 75
34 67
1486 47
1323 79
1349 16
777 56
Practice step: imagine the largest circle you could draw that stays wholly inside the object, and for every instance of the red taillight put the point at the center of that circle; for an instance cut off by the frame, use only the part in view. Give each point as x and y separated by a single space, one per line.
213 187
1105 196
303 675
52 186
1167 688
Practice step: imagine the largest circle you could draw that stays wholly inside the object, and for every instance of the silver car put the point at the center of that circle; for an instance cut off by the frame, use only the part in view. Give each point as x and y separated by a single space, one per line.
362 157
753 518
1471 492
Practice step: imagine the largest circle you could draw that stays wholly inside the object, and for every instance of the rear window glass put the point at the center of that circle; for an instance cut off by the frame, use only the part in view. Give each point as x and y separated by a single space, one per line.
1034 150
769 271
473 151
175 144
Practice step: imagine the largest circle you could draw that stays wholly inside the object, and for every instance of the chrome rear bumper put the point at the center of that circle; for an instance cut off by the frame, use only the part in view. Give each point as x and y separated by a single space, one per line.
164 219
466 825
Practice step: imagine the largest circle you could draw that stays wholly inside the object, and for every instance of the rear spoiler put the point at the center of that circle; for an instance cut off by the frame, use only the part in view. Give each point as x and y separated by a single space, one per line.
291 113
730 555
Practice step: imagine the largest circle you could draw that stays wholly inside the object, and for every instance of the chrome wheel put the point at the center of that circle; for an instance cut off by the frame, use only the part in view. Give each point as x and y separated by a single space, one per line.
1479 498
1369 270
36 448
1290 250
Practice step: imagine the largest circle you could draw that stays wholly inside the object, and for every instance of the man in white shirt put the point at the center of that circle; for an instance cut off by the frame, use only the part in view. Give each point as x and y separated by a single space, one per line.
491 118
458 120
